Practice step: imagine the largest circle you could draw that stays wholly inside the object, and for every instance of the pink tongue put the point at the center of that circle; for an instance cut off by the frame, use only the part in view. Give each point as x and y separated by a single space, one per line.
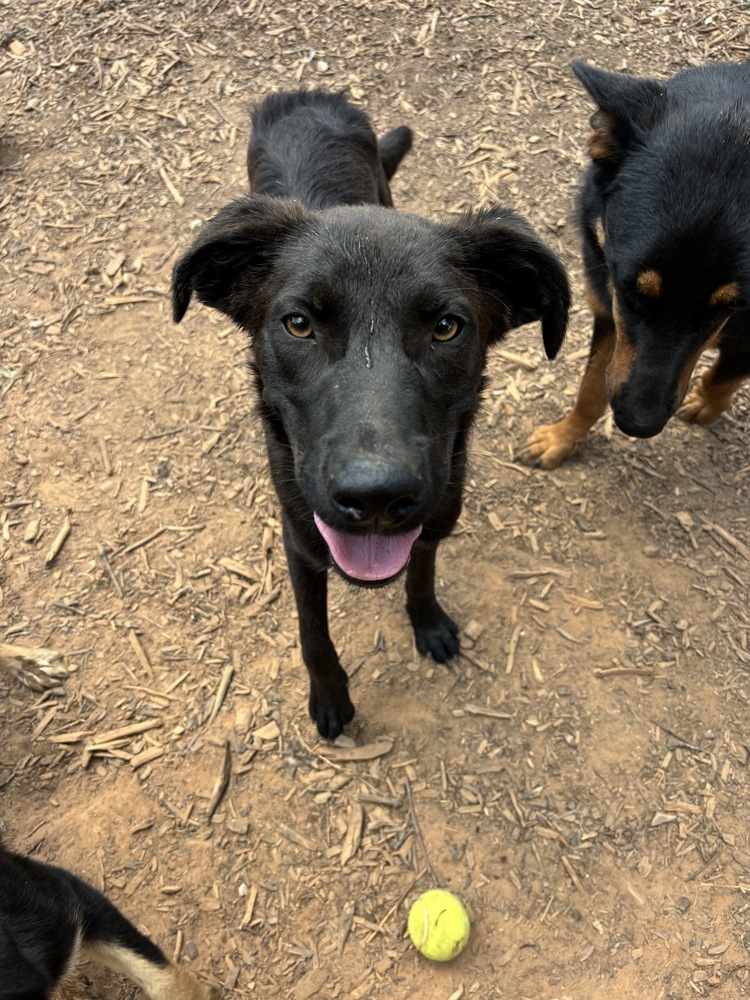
368 557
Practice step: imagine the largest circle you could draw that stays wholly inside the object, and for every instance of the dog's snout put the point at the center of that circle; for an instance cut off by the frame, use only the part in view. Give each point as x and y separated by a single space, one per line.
640 423
375 490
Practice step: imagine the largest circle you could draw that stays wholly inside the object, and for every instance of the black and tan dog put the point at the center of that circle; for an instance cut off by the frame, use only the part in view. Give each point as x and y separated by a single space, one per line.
665 218
49 919
369 332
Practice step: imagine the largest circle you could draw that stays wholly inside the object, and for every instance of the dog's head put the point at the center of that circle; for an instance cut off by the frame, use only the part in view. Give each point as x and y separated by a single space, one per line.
670 172
369 333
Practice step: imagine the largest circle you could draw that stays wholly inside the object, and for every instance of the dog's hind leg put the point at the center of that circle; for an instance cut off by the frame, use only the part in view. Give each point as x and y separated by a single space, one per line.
330 705
436 634
393 147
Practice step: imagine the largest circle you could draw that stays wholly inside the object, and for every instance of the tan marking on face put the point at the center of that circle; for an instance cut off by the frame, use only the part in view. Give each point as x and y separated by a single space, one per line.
649 283
599 230
725 295
623 354
692 361
159 982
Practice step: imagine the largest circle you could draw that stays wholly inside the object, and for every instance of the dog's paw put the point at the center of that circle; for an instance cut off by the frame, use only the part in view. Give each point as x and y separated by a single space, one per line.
437 637
702 407
37 668
331 709
549 445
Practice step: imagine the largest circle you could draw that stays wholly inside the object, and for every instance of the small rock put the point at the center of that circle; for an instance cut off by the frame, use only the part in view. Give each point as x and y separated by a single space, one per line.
16 48
683 904
114 265
32 530
650 551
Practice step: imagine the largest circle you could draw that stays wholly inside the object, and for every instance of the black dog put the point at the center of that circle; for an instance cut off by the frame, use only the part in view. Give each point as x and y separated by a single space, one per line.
369 335
48 918
665 216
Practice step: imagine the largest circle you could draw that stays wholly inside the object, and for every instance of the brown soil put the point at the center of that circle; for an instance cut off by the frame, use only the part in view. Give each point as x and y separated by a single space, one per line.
581 780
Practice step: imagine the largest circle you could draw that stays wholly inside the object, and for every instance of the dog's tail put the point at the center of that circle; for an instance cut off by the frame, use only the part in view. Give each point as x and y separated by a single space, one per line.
110 939
393 147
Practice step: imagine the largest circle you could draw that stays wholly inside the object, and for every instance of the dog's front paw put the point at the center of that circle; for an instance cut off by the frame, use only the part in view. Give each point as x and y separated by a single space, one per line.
436 636
549 445
703 406
37 668
331 708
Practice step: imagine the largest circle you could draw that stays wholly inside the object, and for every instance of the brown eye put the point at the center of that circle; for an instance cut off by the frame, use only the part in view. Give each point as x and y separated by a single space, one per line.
447 329
299 326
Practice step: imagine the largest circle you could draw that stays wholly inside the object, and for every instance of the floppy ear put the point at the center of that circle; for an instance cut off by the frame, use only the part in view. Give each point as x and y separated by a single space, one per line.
521 279
393 147
628 107
232 257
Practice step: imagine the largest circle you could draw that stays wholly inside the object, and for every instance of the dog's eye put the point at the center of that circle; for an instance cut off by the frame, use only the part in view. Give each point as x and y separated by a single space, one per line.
299 326
447 329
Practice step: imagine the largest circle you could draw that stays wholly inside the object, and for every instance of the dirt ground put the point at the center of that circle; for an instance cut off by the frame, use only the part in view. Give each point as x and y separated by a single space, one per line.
581 779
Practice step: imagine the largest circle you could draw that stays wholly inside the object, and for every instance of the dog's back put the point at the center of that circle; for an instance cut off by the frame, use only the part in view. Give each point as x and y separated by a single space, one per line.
319 149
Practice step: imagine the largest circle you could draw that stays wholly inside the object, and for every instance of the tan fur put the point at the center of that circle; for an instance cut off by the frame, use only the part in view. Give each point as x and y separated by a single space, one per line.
168 982
551 444
649 283
599 231
725 295
601 143
623 354
595 304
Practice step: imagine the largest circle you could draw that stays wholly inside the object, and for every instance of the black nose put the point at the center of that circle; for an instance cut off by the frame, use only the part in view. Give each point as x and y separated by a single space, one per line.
640 425
375 490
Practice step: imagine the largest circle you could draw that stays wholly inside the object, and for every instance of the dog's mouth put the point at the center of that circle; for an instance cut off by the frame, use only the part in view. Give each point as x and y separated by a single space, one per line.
369 558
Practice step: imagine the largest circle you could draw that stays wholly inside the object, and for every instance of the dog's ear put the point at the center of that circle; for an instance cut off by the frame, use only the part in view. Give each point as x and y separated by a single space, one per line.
393 147
231 259
627 108
520 278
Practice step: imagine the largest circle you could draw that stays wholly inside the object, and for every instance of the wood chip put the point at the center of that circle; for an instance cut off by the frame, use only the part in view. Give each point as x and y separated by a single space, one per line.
369 751
152 753
310 984
353 834
221 784
56 546
296 838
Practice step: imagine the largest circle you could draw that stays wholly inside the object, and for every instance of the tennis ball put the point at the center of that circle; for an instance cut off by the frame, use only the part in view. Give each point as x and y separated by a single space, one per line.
438 925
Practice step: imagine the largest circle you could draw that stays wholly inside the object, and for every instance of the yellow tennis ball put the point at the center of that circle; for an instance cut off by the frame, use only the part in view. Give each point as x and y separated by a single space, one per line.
438 925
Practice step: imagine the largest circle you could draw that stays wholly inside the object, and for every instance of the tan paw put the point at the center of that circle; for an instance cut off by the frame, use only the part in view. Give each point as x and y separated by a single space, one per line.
548 446
701 409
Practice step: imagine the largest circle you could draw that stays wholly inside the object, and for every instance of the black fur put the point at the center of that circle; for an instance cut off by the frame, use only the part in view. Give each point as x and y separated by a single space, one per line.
672 191
46 916
367 416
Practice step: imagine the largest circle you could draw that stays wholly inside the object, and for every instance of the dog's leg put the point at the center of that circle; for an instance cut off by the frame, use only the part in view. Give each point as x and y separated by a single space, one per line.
551 444
713 392
330 705
436 634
